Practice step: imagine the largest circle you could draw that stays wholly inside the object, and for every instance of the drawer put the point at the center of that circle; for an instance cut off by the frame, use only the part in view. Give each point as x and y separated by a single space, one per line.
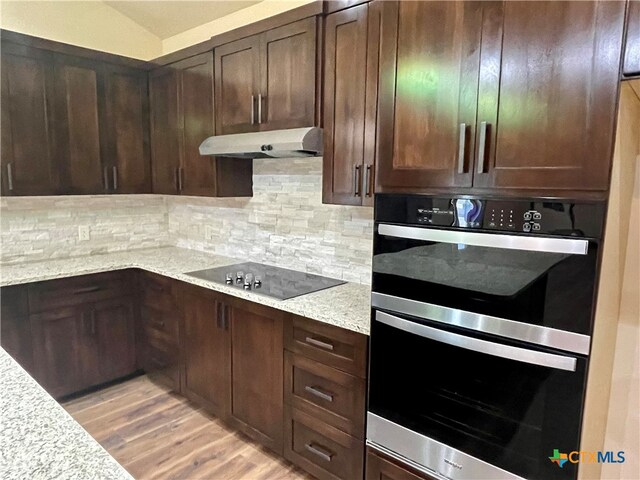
380 467
78 290
333 396
161 324
158 292
323 451
334 346
14 301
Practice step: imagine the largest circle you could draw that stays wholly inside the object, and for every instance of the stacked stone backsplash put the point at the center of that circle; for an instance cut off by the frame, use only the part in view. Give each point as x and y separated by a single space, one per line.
42 228
285 224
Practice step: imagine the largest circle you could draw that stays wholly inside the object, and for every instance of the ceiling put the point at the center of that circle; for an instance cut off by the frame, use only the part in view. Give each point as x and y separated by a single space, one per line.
167 18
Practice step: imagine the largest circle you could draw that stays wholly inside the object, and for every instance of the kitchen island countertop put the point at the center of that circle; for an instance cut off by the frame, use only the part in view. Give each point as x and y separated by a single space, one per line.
346 305
39 439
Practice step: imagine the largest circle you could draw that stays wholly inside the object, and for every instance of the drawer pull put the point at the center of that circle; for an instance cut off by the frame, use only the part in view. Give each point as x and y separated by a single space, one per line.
80 291
319 343
319 393
323 453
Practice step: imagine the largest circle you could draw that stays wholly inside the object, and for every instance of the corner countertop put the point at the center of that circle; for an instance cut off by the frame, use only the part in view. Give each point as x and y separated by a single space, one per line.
346 306
39 439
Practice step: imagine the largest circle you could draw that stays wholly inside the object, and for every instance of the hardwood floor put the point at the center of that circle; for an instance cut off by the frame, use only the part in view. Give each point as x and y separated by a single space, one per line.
156 434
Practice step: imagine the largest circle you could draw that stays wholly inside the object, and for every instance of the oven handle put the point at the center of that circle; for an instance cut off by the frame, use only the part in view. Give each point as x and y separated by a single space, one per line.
518 354
512 242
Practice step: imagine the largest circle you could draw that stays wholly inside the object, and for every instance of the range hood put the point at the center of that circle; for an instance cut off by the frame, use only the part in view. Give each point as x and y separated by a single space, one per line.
294 142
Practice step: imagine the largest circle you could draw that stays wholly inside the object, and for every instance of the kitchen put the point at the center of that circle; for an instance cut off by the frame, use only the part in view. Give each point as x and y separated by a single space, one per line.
286 239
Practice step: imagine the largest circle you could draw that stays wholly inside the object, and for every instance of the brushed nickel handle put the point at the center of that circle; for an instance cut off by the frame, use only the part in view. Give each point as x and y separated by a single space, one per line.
357 180
114 172
259 108
462 147
105 178
318 343
253 110
482 143
175 179
319 393
368 181
180 170
10 176
323 453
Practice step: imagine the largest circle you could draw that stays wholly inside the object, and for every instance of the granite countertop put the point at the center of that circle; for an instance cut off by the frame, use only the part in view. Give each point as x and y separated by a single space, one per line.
346 306
39 439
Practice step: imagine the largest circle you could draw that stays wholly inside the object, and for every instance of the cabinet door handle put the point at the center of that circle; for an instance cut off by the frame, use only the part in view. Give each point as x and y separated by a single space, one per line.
10 176
323 453
175 179
462 147
180 170
319 343
482 143
368 181
105 179
114 172
253 110
357 180
219 315
225 317
259 108
319 393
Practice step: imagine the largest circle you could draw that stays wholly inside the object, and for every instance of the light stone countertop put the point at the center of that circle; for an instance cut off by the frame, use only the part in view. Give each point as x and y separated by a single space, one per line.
39 439
346 306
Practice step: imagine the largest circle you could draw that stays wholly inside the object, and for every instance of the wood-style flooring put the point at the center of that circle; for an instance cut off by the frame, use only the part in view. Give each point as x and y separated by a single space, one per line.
156 434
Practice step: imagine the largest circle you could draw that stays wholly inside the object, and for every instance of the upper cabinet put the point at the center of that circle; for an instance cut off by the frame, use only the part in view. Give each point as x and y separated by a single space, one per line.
632 50
349 109
267 81
182 116
72 125
28 159
511 95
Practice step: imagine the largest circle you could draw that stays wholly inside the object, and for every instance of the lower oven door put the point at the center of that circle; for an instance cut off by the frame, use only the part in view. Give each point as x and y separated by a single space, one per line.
467 405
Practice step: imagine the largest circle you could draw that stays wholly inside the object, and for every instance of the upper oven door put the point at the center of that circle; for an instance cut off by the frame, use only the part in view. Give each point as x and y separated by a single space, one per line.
504 282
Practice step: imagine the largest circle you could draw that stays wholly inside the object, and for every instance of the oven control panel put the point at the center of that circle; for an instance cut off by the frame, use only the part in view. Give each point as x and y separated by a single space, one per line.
518 217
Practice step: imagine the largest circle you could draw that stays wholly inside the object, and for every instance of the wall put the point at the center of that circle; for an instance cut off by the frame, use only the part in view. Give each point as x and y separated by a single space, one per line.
615 325
41 228
284 223
260 11
89 24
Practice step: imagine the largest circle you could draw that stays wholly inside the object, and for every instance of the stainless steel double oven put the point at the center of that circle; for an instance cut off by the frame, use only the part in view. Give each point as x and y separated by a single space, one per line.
482 314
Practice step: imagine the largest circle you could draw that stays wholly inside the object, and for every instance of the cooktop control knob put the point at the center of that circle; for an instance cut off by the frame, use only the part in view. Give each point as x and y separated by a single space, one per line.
257 282
239 277
248 281
229 278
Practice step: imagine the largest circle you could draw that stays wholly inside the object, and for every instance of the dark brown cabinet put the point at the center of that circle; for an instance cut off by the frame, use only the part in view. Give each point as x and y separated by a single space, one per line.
114 330
207 352
349 110
181 98
631 65
380 467
497 95
267 81
28 158
15 328
257 372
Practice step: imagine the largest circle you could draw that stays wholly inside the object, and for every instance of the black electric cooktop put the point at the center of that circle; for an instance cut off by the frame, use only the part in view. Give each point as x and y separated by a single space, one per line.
275 282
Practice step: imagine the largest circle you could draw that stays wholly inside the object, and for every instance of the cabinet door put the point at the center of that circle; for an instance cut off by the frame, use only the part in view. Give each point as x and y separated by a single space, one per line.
63 349
632 50
257 376
165 150
288 76
113 327
78 87
345 73
28 159
197 174
15 328
207 379
237 80
553 126
127 125
427 98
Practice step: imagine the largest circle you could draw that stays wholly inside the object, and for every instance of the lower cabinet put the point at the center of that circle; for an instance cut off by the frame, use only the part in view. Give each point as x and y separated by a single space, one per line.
15 329
207 352
380 467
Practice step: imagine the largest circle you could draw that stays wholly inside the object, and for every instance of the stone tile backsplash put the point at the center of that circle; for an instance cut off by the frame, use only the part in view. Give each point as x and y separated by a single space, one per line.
284 223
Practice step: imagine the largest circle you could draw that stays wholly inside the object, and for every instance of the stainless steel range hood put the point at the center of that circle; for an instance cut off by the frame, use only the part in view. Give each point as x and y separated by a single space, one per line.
295 142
